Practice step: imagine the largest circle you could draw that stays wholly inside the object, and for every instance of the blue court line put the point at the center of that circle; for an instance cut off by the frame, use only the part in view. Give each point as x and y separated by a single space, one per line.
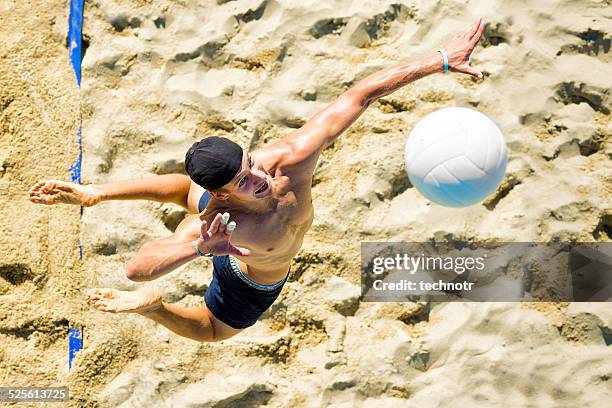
75 43
75 169
75 36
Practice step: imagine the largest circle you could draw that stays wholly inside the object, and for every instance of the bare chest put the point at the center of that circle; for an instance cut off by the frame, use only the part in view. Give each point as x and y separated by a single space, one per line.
281 229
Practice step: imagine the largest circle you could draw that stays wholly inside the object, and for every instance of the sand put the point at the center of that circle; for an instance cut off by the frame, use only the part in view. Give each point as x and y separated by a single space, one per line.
158 75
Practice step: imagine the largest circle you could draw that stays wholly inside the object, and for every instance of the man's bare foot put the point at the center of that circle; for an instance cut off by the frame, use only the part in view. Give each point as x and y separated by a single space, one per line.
119 301
55 191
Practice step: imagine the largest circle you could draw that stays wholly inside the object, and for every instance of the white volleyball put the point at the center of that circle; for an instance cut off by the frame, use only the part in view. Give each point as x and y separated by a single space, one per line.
456 157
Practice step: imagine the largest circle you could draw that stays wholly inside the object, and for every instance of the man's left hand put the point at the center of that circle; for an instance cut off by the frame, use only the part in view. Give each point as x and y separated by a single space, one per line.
460 47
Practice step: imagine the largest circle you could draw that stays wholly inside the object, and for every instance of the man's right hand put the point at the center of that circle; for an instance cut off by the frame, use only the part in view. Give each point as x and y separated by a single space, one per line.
216 238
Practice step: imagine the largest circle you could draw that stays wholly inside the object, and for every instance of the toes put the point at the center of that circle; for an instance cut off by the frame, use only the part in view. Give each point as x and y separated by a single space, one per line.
103 306
41 197
100 292
107 293
100 298
48 186
34 192
37 186
46 200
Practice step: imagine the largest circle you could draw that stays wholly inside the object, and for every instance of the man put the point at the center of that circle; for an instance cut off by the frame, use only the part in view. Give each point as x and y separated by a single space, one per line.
268 194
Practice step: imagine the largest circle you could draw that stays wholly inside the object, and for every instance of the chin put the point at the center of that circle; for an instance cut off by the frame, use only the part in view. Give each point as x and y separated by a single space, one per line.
266 192
262 196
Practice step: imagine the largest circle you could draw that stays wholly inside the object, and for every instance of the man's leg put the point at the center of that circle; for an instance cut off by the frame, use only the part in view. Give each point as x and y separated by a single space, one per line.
196 323
173 188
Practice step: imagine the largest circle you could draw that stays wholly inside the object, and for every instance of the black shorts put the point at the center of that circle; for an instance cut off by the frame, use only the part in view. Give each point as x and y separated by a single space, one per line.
235 299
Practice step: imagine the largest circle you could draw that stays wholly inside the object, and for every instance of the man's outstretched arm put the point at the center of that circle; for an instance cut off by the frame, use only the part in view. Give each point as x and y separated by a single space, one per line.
325 126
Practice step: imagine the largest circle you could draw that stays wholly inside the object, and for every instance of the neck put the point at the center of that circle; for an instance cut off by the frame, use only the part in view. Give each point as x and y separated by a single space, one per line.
259 206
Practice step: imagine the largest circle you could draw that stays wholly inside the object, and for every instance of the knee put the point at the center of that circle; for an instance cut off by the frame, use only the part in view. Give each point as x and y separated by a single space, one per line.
214 335
208 339
207 336
217 337
134 274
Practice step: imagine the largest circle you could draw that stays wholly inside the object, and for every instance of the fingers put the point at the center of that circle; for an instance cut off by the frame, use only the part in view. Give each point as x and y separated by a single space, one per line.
204 229
219 223
470 71
222 225
474 29
476 37
224 220
219 226
214 225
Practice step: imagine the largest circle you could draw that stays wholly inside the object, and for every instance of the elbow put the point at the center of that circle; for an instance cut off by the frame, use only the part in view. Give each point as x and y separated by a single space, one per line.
359 96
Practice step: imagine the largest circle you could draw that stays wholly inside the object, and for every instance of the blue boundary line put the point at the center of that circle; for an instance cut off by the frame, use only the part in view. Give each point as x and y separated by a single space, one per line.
75 42
75 344
75 37
75 169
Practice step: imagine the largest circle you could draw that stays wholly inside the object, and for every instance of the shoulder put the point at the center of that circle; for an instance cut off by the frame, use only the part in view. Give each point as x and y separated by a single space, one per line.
291 156
273 156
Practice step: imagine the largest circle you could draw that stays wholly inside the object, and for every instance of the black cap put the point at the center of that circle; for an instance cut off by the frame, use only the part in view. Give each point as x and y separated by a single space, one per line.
213 162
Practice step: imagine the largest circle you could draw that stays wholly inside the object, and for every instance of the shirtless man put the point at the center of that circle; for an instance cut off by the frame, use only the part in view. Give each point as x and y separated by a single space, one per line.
268 194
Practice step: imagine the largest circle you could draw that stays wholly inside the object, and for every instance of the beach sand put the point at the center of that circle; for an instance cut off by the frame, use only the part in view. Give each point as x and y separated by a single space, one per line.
159 75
